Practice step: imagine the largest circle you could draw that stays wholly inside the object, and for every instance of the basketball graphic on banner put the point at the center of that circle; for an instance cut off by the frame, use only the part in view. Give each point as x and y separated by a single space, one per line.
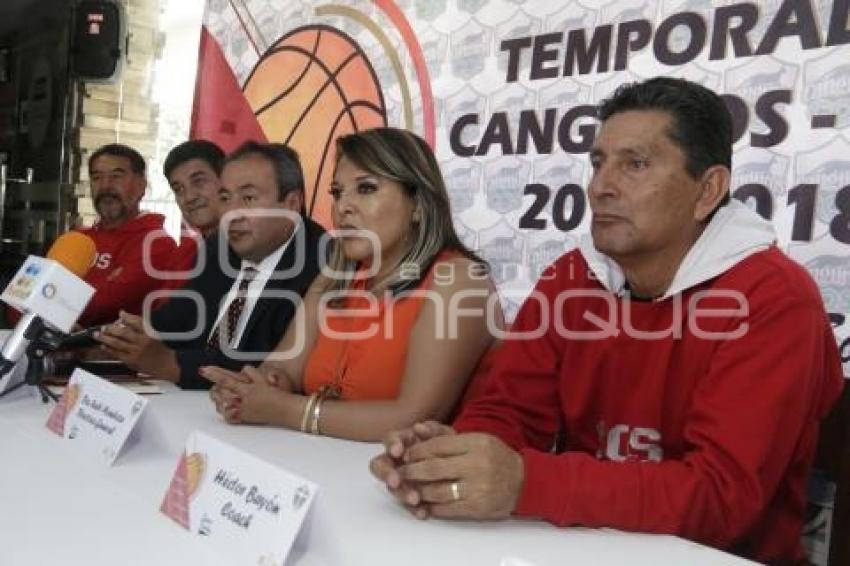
312 86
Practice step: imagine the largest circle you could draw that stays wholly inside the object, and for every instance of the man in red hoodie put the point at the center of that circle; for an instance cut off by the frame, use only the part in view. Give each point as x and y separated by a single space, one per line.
127 267
679 363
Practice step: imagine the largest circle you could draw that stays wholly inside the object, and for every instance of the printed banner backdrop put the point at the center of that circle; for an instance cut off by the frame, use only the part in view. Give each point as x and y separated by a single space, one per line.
504 91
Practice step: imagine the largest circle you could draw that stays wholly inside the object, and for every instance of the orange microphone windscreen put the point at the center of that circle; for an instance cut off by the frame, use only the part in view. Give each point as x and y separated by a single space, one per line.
75 251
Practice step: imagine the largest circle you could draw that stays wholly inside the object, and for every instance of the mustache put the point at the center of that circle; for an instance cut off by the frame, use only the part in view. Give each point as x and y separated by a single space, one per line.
101 196
196 205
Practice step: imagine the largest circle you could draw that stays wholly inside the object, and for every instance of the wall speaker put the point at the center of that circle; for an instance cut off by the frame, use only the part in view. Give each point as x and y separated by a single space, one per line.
99 40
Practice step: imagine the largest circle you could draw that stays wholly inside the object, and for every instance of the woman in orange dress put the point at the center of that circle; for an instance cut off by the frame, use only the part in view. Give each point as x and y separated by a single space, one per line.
389 334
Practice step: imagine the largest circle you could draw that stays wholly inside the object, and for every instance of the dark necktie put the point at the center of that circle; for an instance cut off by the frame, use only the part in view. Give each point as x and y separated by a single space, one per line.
230 320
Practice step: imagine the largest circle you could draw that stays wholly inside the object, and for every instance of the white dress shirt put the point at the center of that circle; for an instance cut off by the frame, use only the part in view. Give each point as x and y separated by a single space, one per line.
264 268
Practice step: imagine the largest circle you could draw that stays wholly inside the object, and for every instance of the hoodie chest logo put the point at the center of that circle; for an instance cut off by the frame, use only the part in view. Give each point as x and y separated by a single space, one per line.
103 261
622 443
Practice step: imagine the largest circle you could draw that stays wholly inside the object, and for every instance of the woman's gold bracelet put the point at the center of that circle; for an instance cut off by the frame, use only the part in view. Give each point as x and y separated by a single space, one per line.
308 410
327 391
317 412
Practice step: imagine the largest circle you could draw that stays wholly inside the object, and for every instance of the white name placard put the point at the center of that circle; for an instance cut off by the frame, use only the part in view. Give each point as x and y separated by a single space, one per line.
248 509
96 414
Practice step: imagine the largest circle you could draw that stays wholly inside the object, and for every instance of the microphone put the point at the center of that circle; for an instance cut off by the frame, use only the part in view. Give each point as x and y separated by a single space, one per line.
49 292
75 251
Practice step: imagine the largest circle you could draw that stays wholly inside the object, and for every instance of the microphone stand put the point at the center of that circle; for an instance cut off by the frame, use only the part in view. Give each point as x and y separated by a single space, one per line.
36 363
34 376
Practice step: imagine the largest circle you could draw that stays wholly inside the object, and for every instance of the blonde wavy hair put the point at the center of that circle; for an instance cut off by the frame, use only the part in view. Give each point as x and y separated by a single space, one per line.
404 157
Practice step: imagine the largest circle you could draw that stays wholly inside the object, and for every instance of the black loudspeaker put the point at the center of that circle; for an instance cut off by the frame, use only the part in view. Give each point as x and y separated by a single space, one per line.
99 40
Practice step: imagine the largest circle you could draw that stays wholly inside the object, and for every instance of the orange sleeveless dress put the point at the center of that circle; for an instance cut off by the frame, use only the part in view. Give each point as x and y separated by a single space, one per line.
365 355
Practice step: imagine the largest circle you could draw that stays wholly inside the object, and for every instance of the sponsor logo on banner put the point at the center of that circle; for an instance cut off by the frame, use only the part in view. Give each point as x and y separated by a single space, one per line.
766 7
621 11
826 88
435 46
518 24
702 7
706 77
754 168
760 167
572 16
511 100
431 10
832 274
502 247
754 78
466 234
463 180
470 6
557 170
823 167
470 47
681 37
563 97
504 179
463 102
541 255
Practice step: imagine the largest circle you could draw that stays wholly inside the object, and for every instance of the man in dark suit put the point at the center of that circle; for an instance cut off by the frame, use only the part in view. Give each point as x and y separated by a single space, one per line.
236 310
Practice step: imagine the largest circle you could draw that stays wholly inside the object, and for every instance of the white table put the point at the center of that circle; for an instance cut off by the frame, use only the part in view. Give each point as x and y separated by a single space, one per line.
58 508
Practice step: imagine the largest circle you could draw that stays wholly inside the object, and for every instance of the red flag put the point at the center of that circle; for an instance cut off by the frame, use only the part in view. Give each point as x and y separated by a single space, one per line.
220 112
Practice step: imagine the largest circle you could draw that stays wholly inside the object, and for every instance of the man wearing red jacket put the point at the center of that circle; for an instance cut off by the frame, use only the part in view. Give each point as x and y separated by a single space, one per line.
679 366
126 268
